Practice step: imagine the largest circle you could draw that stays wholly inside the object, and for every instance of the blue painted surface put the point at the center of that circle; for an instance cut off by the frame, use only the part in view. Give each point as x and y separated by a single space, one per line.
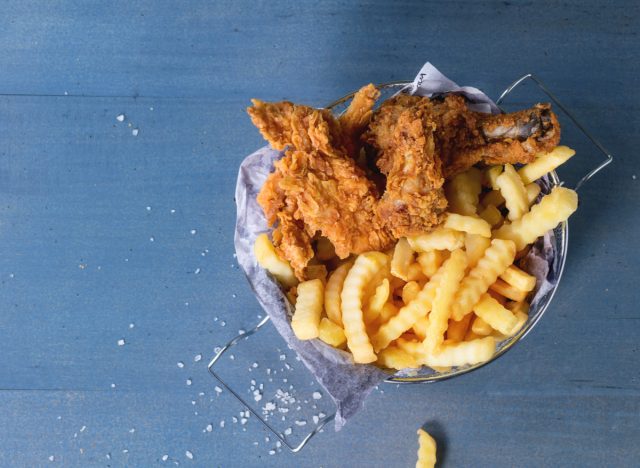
81 198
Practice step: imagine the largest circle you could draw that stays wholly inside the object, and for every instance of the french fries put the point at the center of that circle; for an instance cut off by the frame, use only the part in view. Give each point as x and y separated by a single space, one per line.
440 299
452 273
463 191
268 259
513 191
439 239
553 209
426 450
545 163
331 333
402 258
468 224
308 311
332 301
363 270
495 261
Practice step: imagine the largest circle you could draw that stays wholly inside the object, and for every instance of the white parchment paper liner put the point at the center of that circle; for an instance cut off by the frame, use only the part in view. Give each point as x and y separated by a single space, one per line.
348 384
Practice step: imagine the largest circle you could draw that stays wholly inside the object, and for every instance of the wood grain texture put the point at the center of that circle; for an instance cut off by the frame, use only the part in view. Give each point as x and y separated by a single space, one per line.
81 198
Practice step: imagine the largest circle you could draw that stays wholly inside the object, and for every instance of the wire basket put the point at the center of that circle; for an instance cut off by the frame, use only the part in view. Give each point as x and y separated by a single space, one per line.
560 241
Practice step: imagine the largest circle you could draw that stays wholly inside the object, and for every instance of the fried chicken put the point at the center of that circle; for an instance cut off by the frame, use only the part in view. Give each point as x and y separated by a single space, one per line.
422 141
317 186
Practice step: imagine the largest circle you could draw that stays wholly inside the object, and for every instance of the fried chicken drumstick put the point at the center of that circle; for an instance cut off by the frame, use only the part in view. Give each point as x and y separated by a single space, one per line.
318 189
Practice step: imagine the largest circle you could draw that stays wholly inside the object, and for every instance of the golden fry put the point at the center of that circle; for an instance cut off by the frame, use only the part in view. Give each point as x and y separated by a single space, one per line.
306 318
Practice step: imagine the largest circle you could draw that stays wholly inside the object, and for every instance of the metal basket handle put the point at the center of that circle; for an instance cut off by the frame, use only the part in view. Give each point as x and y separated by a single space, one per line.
608 157
235 341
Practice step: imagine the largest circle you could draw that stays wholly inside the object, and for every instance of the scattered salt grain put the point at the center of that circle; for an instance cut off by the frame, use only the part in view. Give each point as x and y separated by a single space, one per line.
189 381
121 342
234 420
272 452
315 419
232 357
209 428
180 364
301 423
135 132
120 117
278 444
83 428
283 357
132 430
148 208
197 357
243 421
222 323
254 365
152 239
197 272
51 458
193 232
287 431
634 177
316 395
113 385
172 211
217 389
189 455
222 423
132 325
108 456
165 457
125 451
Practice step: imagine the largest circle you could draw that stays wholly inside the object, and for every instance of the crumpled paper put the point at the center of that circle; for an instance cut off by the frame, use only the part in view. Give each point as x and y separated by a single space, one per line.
347 384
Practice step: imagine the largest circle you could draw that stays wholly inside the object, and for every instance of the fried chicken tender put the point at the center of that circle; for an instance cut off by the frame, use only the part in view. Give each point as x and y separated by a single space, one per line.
317 186
357 116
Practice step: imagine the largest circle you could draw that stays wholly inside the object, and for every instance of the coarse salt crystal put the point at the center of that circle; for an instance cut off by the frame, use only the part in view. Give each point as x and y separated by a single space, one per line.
197 357
315 419
189 381
209 428
272 452
51 458
316 395
301 423
135 132
193 232
287 431
217 389
189 455
120 117
180 364
165 457
121 342
222 423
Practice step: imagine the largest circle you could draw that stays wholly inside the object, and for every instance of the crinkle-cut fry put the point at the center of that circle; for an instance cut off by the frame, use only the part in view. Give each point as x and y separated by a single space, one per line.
378 278
420 327
495 260
268 259
521 320
332 301
451 353
496 315
457 329
498 297
426 450
452 273
316 272
521 306
469 224
494 198
463 190
331 333
409 314
438 239
519 279
416 273
306 317
533 190
402 258
363 270
491 215
471 335
380 297
431 260
480 327
475 246
545 163
389 310
513 191
410 291
553 209
393 357
324 249
510 292
490 176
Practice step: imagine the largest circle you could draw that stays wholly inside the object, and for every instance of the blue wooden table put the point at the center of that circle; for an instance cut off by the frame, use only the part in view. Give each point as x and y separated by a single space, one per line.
117 274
